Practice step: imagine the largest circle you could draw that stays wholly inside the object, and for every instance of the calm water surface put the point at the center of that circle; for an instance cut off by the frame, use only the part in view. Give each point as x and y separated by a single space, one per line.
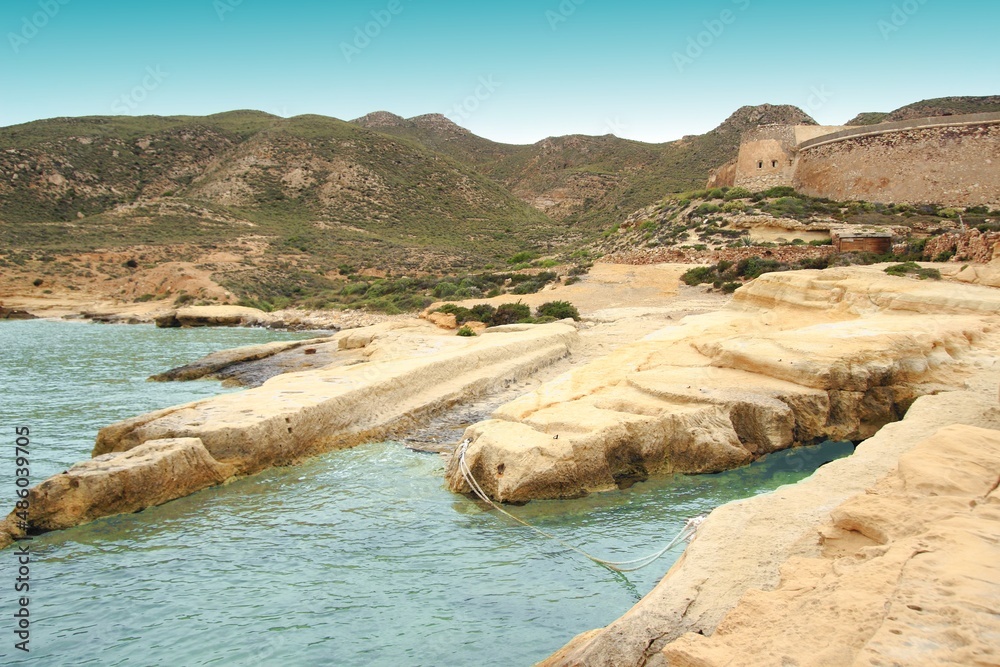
359 557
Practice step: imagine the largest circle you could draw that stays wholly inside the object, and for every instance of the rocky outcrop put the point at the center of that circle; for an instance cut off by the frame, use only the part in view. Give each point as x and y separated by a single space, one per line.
217 361
301 414
797 358
400 375
907 574
211 316
969 246
120 483
15 314
751 545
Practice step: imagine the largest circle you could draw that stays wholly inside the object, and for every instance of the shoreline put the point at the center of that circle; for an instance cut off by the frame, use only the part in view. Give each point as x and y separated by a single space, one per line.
756 544
412 378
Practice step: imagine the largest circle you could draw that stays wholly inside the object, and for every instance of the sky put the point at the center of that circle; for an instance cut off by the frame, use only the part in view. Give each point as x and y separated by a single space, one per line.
515 71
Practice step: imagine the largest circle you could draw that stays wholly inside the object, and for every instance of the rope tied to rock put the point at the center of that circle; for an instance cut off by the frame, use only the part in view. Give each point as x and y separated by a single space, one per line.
686 534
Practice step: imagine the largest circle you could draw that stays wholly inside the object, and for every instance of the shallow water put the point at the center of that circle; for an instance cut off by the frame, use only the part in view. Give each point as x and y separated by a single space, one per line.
359 557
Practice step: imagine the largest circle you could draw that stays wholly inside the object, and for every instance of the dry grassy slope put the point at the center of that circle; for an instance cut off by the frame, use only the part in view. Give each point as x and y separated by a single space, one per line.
942 106
311 183
592 181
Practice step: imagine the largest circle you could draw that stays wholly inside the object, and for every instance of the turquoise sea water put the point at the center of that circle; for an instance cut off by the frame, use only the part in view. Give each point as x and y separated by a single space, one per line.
359 557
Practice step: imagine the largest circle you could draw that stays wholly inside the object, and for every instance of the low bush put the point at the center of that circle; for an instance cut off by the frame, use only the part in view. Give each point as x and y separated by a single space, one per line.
522 257
558 310
914 269
511 313
738 193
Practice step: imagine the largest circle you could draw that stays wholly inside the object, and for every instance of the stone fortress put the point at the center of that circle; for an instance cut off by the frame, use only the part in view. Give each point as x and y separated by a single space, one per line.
947 160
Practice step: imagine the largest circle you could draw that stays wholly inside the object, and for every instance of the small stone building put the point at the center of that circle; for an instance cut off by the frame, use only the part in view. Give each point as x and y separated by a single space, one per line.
862 240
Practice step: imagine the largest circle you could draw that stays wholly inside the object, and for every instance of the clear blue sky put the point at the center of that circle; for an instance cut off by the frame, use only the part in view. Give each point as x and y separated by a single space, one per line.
518 71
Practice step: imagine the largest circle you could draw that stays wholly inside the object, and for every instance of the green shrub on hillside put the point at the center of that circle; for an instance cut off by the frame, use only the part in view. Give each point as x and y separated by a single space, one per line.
908 268
511 313
779 191
699 275
738 193
559 310
522 257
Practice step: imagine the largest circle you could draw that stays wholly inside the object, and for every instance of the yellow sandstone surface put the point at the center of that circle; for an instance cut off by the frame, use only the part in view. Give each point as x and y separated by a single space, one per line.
808 536
909 574
796 357
121 483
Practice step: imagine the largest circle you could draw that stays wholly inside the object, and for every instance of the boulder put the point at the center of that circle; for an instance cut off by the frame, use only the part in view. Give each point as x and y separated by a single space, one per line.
212 316
443 320
15 314
119 483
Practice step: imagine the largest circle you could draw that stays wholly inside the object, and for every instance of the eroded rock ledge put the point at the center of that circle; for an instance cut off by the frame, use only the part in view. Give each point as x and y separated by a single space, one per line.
397 375
908 574
859 572
796 358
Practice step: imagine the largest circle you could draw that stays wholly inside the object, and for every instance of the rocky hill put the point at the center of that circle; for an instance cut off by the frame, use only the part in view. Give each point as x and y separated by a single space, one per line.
308 184
294 204
583 179
419 193
943 106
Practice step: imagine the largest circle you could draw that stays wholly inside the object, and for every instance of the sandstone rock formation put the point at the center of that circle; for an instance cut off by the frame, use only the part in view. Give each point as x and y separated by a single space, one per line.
797 357
402 374
757 543
119 483
907 574
211 316
15 314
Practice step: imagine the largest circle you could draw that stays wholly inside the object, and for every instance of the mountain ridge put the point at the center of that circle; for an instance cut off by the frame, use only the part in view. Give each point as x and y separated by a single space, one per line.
422 192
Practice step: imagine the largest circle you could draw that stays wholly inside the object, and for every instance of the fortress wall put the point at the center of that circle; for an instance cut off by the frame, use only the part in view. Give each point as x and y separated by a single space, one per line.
954 166
724 176
767 158
805 133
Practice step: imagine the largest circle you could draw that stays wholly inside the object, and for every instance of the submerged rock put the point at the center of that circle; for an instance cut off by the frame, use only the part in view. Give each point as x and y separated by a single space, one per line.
216 362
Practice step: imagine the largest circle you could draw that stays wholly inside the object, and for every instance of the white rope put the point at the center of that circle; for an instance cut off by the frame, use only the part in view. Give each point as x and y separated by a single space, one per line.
687 533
